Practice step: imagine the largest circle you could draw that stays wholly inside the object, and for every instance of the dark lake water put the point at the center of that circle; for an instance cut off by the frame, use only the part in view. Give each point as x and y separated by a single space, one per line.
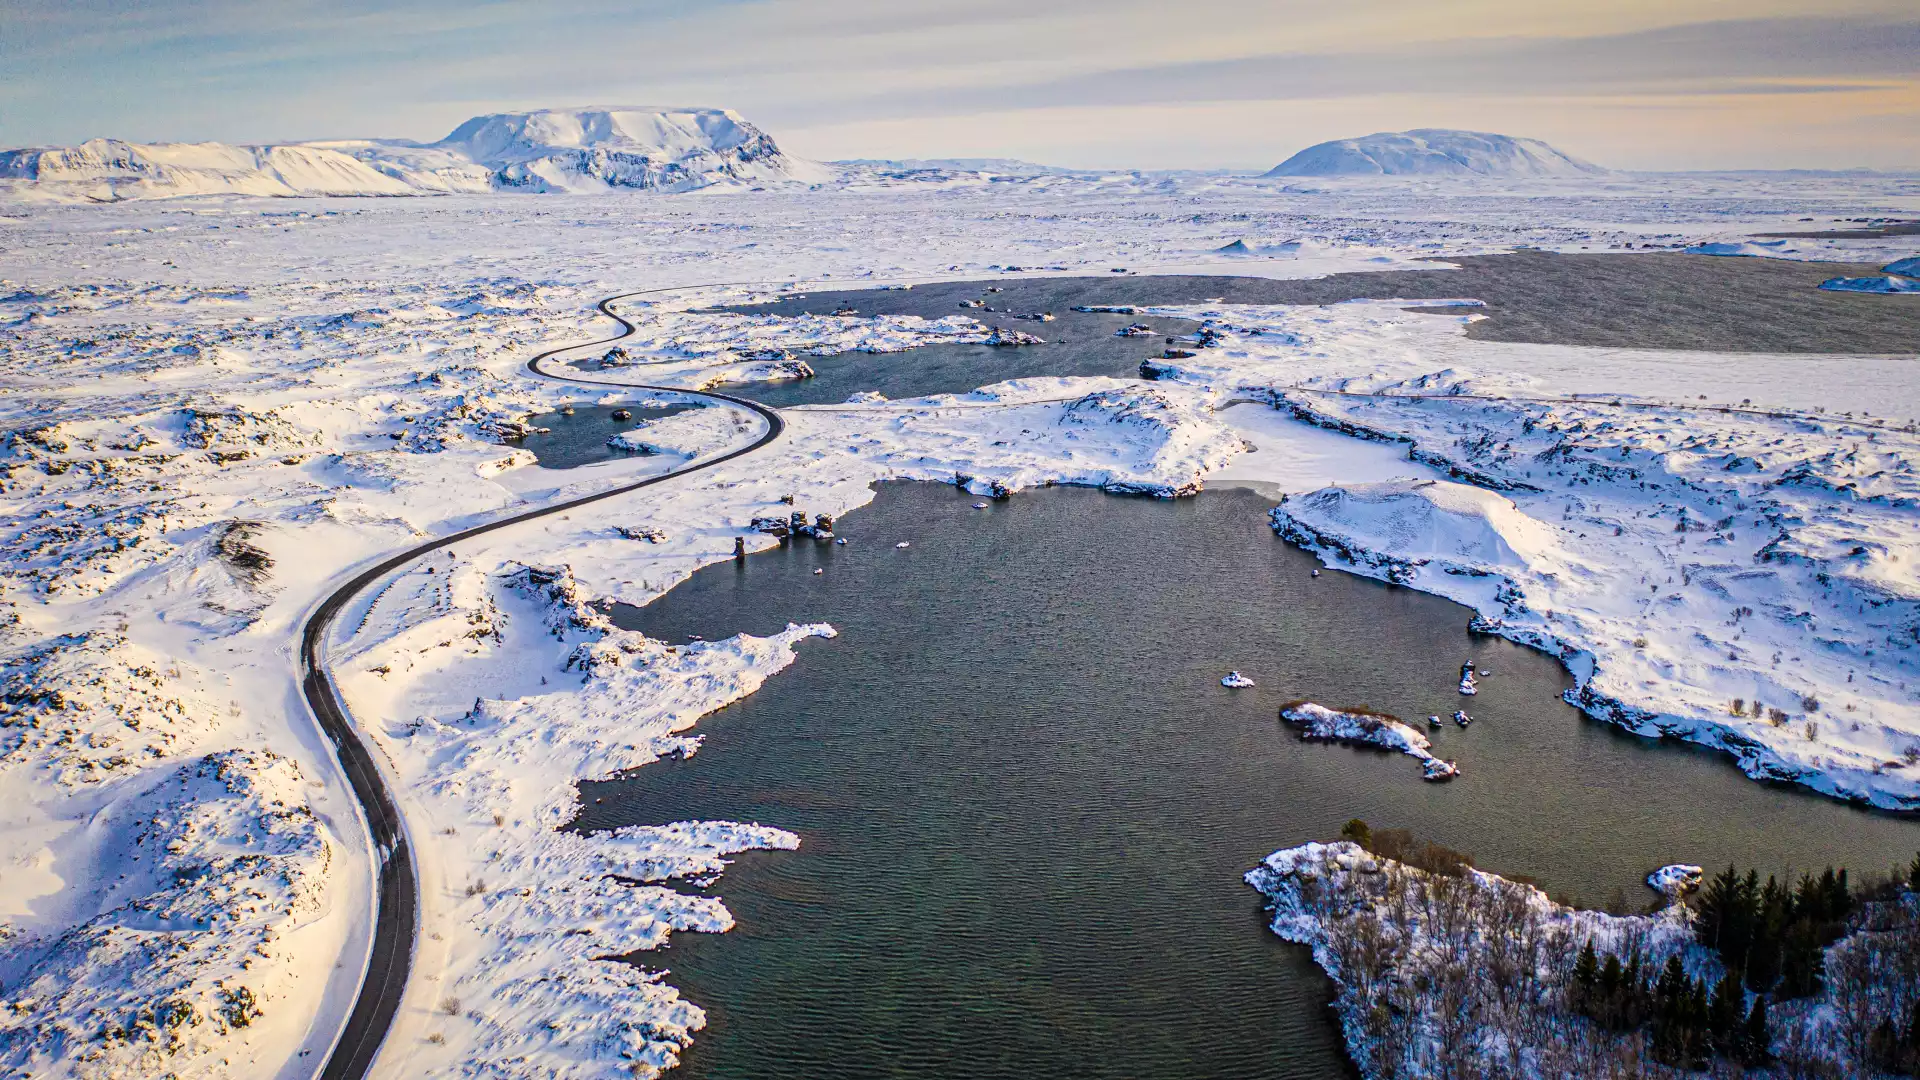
1641 301
1026 803
1075 343
581 439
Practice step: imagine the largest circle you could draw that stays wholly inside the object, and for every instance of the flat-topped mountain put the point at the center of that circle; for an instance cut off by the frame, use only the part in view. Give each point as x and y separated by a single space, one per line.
1434 152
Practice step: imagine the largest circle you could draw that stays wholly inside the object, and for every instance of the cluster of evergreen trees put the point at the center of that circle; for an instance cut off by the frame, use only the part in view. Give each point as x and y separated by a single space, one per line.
1487 942
1771 934
1770 938
1687 1022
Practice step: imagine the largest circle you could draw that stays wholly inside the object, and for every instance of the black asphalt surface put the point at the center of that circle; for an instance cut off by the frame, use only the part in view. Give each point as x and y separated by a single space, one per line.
397 919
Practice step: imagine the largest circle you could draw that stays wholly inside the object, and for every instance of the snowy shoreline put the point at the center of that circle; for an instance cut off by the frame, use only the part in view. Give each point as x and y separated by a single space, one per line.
1677 558
222 404
1442 969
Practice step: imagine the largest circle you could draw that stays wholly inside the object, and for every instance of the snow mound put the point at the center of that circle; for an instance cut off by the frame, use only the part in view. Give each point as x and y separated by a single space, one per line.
92 706
1177 441
690 434
1419 521
1434 152
216 866
1750 249
1676 880
1289 249
1884 284
1372 729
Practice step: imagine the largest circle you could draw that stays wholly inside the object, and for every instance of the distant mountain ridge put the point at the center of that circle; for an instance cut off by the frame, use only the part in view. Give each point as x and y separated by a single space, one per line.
1434 152
996 165
547 150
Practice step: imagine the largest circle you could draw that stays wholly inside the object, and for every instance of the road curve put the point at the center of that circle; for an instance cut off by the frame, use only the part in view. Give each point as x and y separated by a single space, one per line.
397 911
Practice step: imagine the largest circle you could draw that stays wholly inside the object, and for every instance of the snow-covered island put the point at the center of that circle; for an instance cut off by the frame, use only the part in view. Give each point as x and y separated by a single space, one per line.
1363 727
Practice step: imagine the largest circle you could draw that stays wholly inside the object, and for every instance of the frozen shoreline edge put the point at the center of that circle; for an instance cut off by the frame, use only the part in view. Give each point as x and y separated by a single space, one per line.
1753 758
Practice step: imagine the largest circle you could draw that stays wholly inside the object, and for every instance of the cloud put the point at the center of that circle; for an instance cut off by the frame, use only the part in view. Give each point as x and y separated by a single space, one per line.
1765 55
260 70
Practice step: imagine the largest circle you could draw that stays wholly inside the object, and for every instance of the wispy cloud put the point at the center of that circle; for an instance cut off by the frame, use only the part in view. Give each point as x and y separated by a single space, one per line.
1706 58
891 70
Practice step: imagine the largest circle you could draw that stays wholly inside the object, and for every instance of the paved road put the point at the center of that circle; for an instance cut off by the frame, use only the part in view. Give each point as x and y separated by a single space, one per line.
397 916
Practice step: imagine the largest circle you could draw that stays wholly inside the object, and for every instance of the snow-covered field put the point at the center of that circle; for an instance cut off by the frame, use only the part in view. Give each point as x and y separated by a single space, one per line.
218 408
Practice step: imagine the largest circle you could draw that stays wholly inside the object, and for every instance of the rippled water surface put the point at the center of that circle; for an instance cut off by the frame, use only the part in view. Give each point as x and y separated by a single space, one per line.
1075 343
1026 802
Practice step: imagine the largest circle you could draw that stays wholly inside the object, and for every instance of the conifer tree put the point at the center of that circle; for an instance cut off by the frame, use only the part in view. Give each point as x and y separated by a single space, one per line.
1723 1011
1672 994
1586 978
1715 908
1756 1038
1773 911
1801 960
1613 987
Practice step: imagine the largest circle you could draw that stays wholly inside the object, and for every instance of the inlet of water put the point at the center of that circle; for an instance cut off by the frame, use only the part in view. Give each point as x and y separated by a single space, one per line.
1026 801
579 437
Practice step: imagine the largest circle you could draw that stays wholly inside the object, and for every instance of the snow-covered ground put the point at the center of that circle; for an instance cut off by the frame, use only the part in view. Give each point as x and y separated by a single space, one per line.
1680 553
217 408
674 347
1405 947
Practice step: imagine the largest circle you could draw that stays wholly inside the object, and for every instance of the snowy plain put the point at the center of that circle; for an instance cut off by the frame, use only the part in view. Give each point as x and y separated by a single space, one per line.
219 407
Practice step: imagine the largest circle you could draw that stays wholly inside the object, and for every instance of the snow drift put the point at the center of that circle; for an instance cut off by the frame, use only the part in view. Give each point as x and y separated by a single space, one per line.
1884 284
1434 152
1465 528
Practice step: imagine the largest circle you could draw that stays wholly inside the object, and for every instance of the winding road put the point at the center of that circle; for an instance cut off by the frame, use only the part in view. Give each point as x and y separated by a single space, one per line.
397 915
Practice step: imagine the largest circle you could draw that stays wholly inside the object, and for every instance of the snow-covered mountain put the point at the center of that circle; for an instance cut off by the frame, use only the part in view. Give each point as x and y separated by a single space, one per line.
591 149
625 147
1431 152
109 170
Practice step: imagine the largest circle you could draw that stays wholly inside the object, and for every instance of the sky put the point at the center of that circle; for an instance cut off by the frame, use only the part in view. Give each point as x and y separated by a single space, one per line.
1239 84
